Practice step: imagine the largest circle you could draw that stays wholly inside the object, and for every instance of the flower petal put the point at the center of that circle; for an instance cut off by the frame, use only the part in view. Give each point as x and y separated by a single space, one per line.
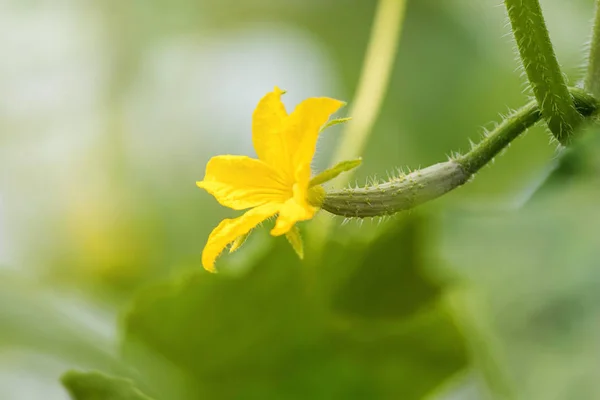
290 213
241 182
267 129
230 229
304 124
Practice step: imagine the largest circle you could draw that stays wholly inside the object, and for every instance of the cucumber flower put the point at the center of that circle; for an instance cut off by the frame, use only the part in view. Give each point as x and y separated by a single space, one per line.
278 183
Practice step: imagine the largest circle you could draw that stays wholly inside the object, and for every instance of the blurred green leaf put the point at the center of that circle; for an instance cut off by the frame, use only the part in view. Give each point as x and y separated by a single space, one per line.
388 278
579 161
533 305
97 386
34 316
249 314
271 334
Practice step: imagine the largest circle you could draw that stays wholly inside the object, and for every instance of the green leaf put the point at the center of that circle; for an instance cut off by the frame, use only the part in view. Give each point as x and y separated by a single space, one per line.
531 310
388 278
578 162
271 334
97 386
34 316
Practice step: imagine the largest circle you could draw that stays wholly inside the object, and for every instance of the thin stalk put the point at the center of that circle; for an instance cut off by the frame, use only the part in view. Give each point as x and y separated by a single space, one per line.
542 68
372 87
375 75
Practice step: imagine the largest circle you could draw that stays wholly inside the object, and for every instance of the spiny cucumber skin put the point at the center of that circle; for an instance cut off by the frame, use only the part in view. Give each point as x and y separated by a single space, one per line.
411 190
398 194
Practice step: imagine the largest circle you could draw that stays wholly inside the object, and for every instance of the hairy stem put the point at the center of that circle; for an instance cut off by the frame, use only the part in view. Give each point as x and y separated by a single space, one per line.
410 190
542 68
511 127
592 79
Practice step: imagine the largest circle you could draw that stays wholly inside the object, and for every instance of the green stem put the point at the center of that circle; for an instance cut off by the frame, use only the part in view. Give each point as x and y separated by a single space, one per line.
542 68
516 123
410 190
592 79
499 138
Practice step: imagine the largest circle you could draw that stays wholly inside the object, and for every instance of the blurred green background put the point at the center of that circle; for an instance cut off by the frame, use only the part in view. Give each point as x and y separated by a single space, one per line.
109 111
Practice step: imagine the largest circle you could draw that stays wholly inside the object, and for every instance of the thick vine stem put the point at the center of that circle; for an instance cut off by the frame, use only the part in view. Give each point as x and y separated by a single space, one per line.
410 190
542 68
592 79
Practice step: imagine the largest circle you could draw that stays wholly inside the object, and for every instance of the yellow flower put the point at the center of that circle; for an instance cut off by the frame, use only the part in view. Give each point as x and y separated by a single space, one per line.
278 182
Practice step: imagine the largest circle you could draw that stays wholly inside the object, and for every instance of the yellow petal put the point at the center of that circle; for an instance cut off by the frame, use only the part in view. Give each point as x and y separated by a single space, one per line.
229 229
267 130
290 213
241 182
295 239
303 127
